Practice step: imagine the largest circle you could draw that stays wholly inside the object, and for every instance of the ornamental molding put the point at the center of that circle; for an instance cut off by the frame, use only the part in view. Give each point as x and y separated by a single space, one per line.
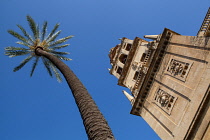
153 68
179 69
164 100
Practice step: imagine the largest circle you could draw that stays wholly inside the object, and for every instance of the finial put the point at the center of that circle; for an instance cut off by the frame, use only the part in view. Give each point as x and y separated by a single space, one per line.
130 97
153 37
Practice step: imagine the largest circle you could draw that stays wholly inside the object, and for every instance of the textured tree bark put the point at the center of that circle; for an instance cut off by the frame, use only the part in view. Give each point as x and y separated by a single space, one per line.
95 124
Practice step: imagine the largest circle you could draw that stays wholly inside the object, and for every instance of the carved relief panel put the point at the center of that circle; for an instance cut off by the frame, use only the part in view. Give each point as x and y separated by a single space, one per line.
178 69
164 100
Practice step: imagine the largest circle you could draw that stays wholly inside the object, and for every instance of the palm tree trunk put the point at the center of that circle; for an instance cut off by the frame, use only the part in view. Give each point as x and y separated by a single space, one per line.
95 124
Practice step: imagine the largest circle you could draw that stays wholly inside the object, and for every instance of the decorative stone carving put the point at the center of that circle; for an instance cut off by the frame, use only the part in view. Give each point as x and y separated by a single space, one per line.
178 69
145 70
135 65
164 100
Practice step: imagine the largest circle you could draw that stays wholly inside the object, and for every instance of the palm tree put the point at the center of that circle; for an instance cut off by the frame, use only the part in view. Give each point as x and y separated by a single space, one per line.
42 46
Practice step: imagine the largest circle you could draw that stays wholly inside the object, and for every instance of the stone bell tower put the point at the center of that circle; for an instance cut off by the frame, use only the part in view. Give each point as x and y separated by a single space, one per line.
169 81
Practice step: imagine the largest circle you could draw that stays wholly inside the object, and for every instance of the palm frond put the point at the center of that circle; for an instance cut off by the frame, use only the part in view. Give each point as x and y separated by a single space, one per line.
59 53
25 33
59 47
60 41
23 43
53 31
10 48
47 65
44 30
16 53
18 36
34 65
53 37
57 74
33 26
26 60
37 34
62 57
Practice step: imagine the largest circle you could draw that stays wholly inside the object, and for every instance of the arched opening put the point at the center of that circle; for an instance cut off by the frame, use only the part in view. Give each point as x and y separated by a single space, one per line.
123 58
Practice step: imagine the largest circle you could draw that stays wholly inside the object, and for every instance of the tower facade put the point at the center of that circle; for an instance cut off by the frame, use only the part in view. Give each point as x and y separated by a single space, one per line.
169 81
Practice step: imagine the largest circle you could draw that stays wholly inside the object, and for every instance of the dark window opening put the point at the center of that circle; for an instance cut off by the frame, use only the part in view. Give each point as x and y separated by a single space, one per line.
123 58
119 70
128 47
143 57
136 75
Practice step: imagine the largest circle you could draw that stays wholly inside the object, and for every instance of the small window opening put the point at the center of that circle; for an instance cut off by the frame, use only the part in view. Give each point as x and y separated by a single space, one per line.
128 47
143 57
123 58
119 70
136 75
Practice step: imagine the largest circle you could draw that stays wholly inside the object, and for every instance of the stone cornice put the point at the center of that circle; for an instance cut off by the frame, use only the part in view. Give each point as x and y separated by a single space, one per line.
152 71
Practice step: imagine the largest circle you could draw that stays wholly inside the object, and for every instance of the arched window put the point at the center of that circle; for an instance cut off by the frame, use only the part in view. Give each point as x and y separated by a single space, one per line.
123 58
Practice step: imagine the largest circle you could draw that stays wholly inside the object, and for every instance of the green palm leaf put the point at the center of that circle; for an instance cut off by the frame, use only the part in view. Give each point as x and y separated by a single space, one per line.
59 47
53 31
62 57
25 33
23 43
26 60
47 65
34 65
10 48
44 30
37 34
16 53
59 53
53 37
18 36
33 26
60 41
57 74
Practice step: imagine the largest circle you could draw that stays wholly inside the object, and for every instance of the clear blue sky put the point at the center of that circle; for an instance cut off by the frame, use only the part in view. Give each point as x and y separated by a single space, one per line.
40 108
